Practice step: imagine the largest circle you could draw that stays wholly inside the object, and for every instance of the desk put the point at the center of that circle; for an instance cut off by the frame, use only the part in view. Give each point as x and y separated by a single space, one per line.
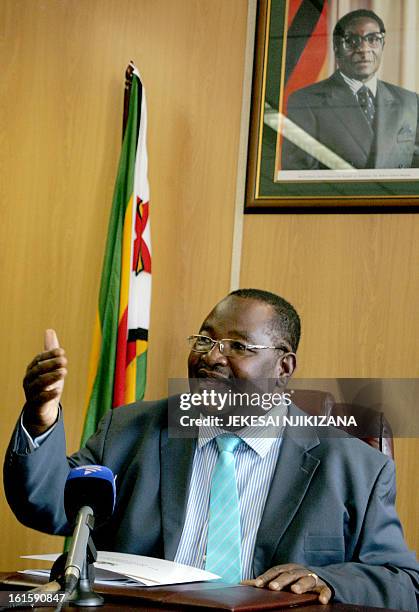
187 597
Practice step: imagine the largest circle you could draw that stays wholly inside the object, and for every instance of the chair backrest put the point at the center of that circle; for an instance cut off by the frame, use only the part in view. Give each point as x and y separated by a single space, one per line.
372 426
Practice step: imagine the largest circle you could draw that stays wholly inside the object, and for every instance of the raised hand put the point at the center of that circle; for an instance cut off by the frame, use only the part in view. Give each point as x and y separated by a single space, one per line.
43 385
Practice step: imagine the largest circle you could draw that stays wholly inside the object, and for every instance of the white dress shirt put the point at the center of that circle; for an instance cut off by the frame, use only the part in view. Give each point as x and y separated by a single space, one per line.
255 462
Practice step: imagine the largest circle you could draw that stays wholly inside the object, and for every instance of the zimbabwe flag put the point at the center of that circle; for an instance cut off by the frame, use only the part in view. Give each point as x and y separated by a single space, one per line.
307 44
117 372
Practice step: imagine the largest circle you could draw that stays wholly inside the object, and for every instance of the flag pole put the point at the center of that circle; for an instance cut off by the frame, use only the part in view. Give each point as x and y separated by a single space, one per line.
127 93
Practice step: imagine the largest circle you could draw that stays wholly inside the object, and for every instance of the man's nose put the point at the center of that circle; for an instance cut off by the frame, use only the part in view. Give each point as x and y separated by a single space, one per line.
363 45
215 356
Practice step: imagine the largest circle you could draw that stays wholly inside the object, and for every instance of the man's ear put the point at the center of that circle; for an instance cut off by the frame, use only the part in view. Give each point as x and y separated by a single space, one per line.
336 47
286 366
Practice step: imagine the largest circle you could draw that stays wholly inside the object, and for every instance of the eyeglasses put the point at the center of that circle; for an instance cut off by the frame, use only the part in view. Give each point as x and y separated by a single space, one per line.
351 42
227 346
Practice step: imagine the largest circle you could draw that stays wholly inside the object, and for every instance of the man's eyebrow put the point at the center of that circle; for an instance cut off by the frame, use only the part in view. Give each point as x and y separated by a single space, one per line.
243 334
356 33
232 333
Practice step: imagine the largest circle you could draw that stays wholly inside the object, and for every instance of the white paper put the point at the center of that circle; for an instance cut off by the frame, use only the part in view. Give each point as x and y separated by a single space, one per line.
115 580
149 570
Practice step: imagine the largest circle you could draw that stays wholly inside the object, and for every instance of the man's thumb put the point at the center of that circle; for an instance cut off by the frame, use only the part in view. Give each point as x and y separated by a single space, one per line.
50 340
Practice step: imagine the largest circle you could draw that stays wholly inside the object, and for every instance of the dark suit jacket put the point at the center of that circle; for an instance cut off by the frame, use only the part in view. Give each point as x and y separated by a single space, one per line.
330 505
330 113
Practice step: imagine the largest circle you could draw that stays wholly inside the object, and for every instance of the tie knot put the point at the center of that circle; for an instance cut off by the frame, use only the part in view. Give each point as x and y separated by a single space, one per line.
364 93
228 443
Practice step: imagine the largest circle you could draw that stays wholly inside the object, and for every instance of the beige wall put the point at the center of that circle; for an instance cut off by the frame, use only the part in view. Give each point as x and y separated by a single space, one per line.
60 121
63 64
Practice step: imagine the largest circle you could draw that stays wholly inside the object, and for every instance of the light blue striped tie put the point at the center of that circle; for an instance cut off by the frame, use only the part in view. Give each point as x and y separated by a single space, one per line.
224 535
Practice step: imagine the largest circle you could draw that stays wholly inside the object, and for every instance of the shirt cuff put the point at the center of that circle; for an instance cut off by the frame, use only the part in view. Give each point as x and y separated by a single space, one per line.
34 443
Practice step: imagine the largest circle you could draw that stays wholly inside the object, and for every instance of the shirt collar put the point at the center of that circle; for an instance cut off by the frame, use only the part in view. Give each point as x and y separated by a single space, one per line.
356 85
253 436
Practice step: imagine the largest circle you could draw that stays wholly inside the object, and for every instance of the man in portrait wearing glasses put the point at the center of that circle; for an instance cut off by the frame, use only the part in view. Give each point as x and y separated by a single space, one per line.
286 512
367 122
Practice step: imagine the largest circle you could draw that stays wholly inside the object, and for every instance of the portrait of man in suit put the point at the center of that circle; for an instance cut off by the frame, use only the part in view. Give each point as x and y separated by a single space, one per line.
367 122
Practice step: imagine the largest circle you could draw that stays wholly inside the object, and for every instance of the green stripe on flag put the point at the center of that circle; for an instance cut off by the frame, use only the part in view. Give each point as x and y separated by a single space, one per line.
141 374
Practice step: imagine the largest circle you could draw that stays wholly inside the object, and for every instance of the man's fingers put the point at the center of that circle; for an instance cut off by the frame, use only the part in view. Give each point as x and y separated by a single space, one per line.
49 364
286 578
307 584
50 340
45 374
45 381
45 356
294 577
48 395
270 574
325 594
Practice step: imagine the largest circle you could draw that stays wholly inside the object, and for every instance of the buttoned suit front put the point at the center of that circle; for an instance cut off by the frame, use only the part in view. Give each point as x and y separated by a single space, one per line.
330 505
329 112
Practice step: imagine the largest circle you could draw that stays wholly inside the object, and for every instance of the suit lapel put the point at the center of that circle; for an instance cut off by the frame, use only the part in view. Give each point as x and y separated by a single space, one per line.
387 122
176 466
344 105
291 479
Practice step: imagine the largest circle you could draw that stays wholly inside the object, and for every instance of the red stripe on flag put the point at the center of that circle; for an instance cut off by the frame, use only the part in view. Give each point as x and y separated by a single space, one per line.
121 362
145 257
126 351
293 6
141 260
131 351
311 60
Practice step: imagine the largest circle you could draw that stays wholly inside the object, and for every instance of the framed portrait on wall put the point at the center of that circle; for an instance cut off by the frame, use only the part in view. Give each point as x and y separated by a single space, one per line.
334 113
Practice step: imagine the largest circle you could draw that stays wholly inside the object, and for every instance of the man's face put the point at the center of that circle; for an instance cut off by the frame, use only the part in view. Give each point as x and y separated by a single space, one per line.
361 62
248 321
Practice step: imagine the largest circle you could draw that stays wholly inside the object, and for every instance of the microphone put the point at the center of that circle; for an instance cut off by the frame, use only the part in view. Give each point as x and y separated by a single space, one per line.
89 500
90 485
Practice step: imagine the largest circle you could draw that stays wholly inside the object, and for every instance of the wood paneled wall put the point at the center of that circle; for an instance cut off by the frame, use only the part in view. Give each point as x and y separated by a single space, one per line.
354 279
63 64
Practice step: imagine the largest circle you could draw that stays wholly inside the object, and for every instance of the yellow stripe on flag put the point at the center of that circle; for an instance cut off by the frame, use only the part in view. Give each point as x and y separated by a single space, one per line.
126 259
131 372
324 70
141 347
131 381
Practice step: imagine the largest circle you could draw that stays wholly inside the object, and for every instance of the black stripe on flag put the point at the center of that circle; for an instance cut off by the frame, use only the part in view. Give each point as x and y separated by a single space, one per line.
137 334
140 97
302 27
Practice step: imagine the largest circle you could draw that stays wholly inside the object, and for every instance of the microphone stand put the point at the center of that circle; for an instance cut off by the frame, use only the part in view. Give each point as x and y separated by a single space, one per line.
83 593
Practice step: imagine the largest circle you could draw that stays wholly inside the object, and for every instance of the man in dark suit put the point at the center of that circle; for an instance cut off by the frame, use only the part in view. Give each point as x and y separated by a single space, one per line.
365 121
317 512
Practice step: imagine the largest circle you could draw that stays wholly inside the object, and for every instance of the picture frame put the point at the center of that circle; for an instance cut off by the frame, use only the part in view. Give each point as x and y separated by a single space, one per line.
273 189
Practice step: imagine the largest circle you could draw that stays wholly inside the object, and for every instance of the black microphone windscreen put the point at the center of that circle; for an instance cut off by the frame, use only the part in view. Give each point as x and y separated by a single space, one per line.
90 485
